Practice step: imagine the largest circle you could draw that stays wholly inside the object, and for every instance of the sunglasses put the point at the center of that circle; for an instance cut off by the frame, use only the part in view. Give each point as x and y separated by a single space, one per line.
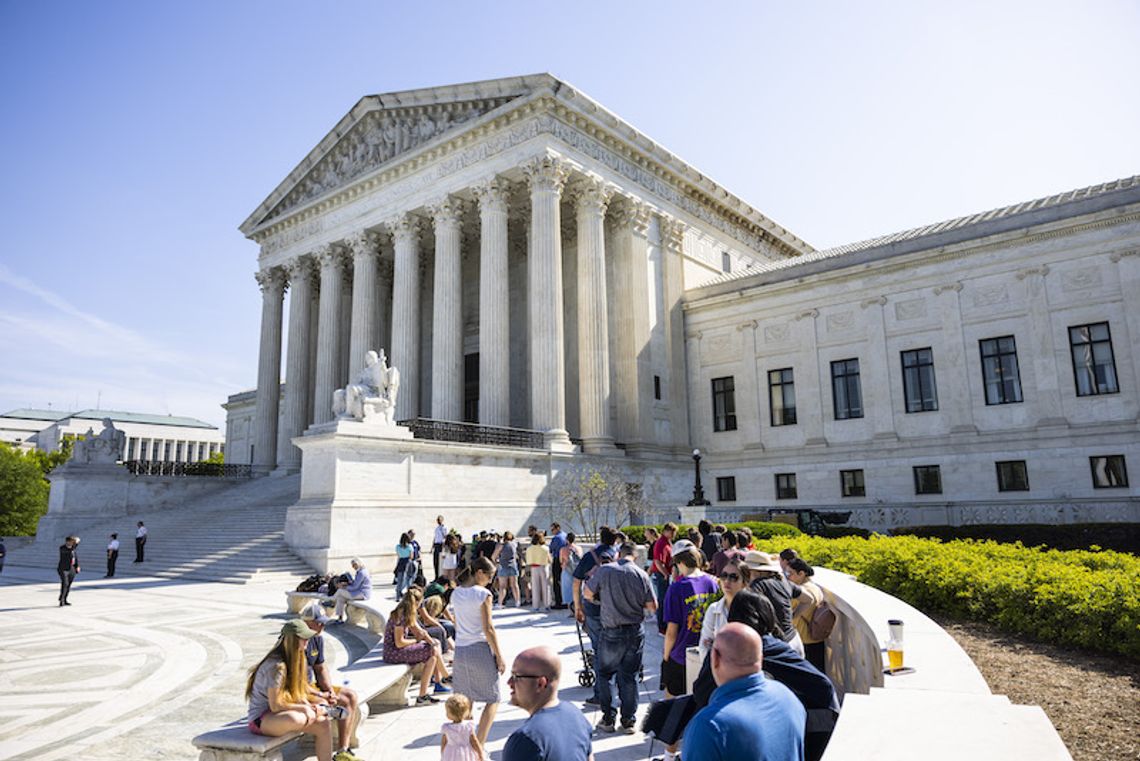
730 577
517 677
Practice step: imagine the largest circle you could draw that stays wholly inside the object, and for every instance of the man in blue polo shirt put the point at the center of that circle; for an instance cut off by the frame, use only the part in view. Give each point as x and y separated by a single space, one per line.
557 542
749 717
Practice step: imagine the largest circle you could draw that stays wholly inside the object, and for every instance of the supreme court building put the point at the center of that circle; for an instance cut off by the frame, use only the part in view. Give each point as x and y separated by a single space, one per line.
530 261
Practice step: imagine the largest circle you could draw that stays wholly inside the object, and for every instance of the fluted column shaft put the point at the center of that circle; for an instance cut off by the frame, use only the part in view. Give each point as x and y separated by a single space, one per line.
272 284
406 314
494 306
547 176
297 388
447 319
365 335
676 383
633 386
328 332
593 331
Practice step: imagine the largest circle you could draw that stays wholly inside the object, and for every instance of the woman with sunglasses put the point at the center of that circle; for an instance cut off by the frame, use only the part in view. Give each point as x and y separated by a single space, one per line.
732 579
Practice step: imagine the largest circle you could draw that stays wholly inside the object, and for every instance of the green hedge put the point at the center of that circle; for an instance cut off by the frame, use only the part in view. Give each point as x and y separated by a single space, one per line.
760 530
1088 599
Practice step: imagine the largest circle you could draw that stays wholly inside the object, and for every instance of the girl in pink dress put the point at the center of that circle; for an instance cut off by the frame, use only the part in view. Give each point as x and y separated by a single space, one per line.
459 742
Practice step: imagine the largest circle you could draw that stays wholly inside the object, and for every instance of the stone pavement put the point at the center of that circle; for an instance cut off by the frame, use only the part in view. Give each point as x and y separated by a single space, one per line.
136 667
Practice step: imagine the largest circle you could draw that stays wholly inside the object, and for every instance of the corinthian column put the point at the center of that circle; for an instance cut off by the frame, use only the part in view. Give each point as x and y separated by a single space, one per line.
546 176
406 313
328 331
272 282
494 305
676 384
633 370
447 320
297 388
591 198
365 334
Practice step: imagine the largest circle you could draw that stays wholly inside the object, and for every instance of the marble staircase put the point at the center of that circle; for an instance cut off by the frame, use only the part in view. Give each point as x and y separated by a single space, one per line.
234 536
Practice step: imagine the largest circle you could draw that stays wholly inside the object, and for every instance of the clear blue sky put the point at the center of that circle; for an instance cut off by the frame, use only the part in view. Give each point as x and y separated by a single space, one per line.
138 135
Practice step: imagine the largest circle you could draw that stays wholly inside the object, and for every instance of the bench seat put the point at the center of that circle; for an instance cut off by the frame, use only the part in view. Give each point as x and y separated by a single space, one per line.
234 742
367 613
296 601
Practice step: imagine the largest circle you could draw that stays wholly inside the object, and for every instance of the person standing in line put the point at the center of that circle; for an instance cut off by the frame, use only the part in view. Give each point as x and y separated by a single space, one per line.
140 542
661 569
557 542
403 575
478 661
569 556
507 556
748 716
3 552
437 542
555 731
68 567
767 578
112 556
803 610
538 560
626 594
585 611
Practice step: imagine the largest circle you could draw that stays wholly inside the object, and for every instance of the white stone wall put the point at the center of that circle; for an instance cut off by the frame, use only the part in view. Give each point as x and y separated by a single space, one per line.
1032 285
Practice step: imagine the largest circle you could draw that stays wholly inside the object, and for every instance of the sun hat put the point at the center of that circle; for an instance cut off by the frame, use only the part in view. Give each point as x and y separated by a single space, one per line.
754 560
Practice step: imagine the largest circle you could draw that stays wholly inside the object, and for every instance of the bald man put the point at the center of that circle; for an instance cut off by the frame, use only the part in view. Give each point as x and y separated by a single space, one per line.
748 718
555 731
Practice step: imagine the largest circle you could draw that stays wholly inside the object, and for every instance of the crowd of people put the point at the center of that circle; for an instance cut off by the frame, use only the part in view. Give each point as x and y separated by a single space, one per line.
748 614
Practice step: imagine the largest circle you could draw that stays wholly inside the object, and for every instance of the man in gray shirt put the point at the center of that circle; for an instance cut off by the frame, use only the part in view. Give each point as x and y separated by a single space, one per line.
625 594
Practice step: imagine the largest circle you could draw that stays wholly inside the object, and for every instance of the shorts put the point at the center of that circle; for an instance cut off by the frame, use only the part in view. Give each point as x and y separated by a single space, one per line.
505 571
255 725
673 677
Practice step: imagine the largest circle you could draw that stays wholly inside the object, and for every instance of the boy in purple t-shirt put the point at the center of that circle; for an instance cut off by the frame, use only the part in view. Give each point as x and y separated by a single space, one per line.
685 604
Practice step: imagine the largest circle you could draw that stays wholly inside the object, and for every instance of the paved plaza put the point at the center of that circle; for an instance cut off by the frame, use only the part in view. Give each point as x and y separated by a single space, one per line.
136 667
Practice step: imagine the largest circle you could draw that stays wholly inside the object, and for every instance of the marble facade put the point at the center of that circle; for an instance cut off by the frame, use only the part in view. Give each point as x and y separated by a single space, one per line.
527 259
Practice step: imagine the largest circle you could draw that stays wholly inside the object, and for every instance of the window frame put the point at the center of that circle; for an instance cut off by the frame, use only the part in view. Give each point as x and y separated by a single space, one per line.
861 485
1092 344
845 378
997 355
786 388
785 492
918 482
727 421
918 368
1002 485
1108 457
725 484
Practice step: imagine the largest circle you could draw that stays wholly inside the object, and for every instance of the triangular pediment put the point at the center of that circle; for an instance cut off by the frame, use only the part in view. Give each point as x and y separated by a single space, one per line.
381 128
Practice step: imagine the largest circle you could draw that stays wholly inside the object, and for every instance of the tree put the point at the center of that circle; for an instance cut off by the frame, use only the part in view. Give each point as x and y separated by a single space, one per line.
23 488
597 495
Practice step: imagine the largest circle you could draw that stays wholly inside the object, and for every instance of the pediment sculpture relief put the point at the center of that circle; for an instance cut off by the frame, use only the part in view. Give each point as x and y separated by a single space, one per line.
377 138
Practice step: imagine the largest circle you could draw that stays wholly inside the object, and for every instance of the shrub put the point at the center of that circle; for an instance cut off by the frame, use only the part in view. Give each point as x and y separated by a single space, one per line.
1083 598
760 530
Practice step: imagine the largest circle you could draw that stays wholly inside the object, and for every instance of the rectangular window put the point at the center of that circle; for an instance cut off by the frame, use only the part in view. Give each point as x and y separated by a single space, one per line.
1012 475
918 380
1000 375
726 489
786 486
927 479
846 393
724 404
1108 472
656 386
725 261
1094 367
851 482
782 396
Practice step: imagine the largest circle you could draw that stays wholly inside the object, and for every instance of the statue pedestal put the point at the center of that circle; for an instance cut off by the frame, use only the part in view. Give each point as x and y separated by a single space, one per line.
81 491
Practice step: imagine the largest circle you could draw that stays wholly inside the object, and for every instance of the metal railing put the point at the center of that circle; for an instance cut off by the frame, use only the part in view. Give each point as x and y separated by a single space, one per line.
474 433
181 469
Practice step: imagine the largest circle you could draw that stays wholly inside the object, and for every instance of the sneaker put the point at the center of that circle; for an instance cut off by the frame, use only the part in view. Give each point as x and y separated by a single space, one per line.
424 700
607 724
441 688
592 701
447 680
346 755
628 726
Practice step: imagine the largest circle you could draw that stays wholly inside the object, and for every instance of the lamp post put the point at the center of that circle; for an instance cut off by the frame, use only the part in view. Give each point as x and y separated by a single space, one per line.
698 491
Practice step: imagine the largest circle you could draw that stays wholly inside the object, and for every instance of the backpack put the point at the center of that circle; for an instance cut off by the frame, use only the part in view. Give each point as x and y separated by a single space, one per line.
822 622
313 583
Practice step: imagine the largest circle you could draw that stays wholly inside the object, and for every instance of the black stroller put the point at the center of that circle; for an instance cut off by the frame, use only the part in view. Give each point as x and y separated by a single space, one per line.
586 675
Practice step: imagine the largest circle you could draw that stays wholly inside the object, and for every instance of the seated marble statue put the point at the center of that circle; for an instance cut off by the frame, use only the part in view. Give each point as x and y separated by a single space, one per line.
372 398
104 448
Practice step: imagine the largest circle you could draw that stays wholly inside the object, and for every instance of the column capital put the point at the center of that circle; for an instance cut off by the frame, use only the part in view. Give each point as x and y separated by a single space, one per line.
298 267
363 243
546 174
404 227
633 213
672 233
592 194
446 212
492 194
329 256
270 279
